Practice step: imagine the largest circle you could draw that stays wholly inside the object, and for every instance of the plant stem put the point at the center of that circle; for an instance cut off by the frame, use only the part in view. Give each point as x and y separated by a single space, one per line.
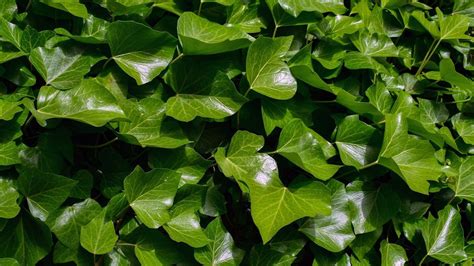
428 56
98 146
275 31
422 260
200 8
176 58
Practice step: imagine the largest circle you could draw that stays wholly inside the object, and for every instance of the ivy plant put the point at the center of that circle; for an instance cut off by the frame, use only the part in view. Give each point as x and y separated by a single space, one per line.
236 132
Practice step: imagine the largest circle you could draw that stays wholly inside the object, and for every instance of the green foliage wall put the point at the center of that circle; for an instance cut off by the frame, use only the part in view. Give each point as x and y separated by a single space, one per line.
226 132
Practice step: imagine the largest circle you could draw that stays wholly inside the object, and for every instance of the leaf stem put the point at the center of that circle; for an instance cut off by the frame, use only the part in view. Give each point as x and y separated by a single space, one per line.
423 259
98 146
200 8
176 58
275 31
428 56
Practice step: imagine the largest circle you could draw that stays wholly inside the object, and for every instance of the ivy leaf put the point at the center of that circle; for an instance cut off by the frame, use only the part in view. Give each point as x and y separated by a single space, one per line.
9 206
98 236
89 103
453 26
151 194
8 9
464 125
66 223
93 31
270 200
44 192
301 67
307 149
62 68
199 36
407 155
210 94
72 6
295 7
221 250
184 225
148 125
374 44
371 206
464 186
9 152
141 52
266 72
154 248
392 254
357 142
444 237
333 232
25 239
184 160
279 114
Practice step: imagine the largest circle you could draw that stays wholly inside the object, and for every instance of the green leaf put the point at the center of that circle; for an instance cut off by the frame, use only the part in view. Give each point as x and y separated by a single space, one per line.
372 206
295 7
25 239
281 250
143 53
151 194
9 153
444 237
209 94
66 223
452 27
464 125
267 73
71 6
62 68
89 103
9 206
148 126
9 109
221 250
9 262
333 232
307 149
464 185
184 225
185 161
154 248
301 67
44 192
98 236
246 17
199 36
93 31
272 205
392 254
222 2
407 155
357 142
8 9
279 114
374 44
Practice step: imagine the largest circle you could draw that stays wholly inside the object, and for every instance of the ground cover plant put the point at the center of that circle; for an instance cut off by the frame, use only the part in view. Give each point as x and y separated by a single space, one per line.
227 132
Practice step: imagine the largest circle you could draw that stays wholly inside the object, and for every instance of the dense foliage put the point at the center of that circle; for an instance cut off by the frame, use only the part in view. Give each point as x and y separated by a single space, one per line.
226 132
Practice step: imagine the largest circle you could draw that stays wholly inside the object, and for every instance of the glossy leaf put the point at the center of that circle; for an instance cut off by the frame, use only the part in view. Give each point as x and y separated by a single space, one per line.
307 149
296 7
333 232
392 254
62 68
464 186
140 51
98 236
267 73
221 250
199 36
89 103
151 194
9 206
444 236
44 192
148 126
